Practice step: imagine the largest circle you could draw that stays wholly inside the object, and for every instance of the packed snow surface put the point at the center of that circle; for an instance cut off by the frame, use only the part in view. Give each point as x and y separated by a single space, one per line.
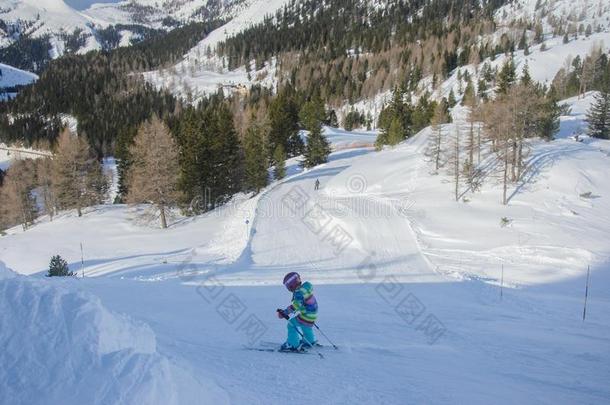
429 300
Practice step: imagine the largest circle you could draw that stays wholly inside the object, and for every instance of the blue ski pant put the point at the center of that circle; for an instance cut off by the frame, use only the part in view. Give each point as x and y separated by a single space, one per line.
293 336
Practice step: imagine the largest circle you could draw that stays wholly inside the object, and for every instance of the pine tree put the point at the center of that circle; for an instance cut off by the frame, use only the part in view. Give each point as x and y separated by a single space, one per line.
506 77
588 31
211 160
153 175
472 103
598 116
539 36
225 155
523 41
312 113
548 123
78 180
284 124
451 99
482 89
469 94
526 79
317 149
18 203
44 174
279 157
435 145
124 141
255 159
396 132
332 120
58 267
385 120
191 134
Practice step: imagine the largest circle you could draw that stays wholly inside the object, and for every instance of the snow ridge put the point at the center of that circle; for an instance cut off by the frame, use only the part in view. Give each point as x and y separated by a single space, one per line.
61 345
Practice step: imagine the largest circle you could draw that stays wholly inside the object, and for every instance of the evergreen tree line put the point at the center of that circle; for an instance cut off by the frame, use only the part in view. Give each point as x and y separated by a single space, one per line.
583 74
212 161
327 29
598 115
100 89
401 118
194 160
28 53
352 50
72 179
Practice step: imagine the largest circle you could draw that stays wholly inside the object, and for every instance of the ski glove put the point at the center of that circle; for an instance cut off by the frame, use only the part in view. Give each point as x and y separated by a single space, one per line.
281 314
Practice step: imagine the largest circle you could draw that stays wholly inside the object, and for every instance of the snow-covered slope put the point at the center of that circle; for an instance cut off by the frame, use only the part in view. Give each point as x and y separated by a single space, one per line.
409 283
10 76
56 17
61 345
201 72
547 11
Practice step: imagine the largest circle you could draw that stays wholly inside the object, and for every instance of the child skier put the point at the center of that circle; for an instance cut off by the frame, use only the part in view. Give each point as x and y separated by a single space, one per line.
304 305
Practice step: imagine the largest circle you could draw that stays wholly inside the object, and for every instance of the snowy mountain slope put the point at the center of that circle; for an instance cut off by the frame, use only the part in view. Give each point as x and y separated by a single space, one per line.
95 357
543 65
253 12
578 12
56 17
38 18
395 184
11 76
152 13
413 300
545 211
201 72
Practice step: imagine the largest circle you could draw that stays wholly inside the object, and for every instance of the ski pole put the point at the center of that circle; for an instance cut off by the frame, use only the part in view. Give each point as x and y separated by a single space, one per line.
324 334
286 317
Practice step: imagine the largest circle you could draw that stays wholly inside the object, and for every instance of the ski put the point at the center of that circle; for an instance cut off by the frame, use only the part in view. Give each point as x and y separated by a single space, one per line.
270 350
275 344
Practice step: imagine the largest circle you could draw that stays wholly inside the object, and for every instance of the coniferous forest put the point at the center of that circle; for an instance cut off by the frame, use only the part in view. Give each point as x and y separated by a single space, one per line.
329 54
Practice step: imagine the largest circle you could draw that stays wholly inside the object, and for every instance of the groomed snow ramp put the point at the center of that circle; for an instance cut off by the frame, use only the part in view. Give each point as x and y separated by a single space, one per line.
62 346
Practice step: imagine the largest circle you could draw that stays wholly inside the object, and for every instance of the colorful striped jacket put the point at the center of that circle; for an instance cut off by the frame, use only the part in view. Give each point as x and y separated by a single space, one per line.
304 302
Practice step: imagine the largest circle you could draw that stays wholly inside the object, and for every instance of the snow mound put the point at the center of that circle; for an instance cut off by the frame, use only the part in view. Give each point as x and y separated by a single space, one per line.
61 345
5 272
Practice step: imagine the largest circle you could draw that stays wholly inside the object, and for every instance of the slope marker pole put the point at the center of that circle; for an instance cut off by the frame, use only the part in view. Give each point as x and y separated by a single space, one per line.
502 283
82 260
584 311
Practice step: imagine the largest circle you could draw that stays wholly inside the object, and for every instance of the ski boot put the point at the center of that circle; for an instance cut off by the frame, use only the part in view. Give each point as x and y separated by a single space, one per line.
286 347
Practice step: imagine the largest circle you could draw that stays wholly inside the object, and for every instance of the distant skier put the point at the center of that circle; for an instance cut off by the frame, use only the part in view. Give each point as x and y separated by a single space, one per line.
317 185
305 308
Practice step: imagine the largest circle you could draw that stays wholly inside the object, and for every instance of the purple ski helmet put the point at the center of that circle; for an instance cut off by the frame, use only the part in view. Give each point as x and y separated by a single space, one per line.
292 281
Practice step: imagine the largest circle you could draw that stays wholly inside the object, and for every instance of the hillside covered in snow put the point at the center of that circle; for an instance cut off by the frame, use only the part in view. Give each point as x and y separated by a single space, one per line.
438 171
82 26
545 25
416 289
